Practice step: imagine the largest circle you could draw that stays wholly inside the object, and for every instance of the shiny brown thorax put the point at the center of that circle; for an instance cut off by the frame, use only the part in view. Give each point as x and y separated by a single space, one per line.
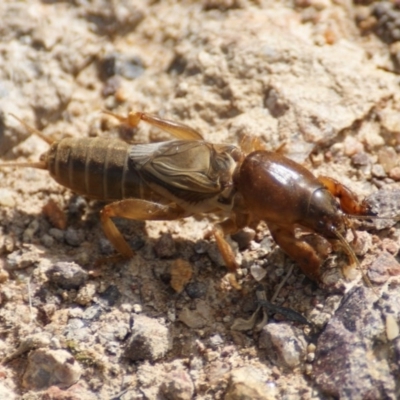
278 190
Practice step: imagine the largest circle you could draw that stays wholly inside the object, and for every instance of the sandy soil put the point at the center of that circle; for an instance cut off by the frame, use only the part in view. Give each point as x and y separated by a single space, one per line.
318 77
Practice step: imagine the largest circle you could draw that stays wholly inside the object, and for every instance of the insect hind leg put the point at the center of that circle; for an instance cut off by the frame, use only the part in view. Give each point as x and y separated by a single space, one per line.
137 209
176 129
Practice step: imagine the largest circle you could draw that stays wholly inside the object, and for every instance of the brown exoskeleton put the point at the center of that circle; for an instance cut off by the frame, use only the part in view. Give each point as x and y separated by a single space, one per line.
189 175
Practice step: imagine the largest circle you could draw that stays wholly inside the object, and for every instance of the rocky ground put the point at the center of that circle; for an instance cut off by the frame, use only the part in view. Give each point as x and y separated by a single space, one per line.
319 79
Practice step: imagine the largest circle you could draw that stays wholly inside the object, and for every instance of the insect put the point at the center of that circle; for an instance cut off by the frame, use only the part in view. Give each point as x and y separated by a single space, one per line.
189 175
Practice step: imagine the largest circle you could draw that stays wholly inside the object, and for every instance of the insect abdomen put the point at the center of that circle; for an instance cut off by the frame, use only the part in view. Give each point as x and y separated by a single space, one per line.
95 167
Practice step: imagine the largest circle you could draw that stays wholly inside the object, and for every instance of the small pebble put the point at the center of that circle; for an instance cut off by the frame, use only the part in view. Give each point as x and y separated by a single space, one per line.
119 64
67 275
137 308
55 214
395 174
310 357
311 348
150 340
378 171
216 340
285 345
4 275
126 308
267 243
360 159
92 313
392 246
50 367
30 231
201 247
18 260
171 315
249 383
111 86
352 146
7 244
392 327
362 244
257 272
165 246
384 266
196 290
77 330
7 198
181 272
47 240
75 312
55 343
75 392
388 158
384 202
110 296
112 347
86 294
121 331
177 385
106 248
192 318
57 234
74 237
77 205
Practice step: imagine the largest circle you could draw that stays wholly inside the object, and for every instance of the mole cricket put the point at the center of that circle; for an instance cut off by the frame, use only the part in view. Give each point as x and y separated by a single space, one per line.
189 175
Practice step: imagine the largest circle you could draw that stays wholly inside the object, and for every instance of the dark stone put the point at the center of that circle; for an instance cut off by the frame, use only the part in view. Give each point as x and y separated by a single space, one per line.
67 275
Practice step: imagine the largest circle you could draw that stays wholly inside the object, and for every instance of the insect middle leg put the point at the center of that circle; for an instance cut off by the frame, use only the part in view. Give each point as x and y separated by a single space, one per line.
137 209
298 250
231 225
219 231
226 250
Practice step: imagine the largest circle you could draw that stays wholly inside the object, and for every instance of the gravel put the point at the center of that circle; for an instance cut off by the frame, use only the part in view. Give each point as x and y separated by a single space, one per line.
306 79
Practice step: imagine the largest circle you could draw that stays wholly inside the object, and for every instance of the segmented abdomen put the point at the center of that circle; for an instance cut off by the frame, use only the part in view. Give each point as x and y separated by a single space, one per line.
97 168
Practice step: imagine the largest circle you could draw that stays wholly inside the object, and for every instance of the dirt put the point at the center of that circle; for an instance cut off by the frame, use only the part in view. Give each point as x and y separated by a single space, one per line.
317 79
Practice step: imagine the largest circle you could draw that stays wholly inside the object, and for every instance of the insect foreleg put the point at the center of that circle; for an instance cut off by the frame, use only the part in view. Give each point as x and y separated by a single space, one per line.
229 226
348 200
141 210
